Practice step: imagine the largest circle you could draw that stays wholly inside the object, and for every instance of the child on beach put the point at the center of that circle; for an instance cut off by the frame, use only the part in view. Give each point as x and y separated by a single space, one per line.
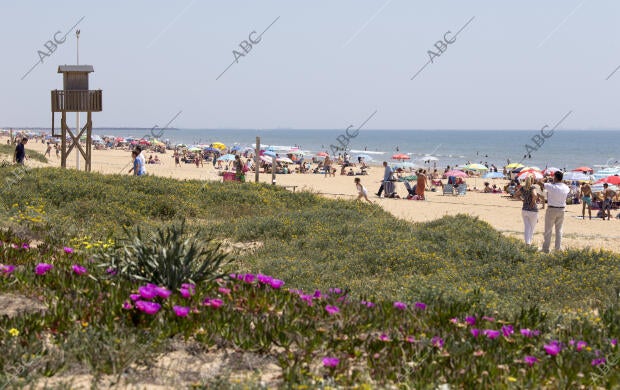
361 190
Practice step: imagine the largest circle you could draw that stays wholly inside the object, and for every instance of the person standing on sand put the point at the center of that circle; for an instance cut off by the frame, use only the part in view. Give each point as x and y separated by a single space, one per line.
138 165
20 151
608 196
554 217
529 211
421 184
361 190
586 199
327 165
387 173
48 151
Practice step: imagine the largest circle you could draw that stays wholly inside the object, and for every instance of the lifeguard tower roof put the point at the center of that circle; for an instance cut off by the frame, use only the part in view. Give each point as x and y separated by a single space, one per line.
75 68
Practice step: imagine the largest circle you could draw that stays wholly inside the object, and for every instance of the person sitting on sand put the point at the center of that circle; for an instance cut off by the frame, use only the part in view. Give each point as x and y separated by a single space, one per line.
487 189
156 160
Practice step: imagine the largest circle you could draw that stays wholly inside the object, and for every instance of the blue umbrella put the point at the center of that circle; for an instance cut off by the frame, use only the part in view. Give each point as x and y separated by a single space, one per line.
227 157
493 175
211 149
235 148
269 153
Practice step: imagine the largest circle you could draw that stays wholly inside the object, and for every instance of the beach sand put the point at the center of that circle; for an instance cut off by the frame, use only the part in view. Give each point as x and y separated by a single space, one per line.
500 212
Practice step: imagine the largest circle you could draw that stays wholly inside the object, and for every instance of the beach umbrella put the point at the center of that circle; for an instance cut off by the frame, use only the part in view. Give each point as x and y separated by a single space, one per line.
266 159
269 153
181 146
493 175
428 158
475 167
531 168
583 169
609 180
576 176
455 173
551 170
537 175
514 165
599 187
218 145
227 157
400 156
403 165
235 148
211 149
322 154
284 160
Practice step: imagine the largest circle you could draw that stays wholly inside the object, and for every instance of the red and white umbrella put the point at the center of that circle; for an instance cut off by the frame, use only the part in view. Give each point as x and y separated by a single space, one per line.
322 154
455 173
551 170
615 179
400 156
535 174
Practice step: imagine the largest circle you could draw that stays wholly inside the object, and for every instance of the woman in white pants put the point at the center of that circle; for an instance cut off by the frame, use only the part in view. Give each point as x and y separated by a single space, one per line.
529 211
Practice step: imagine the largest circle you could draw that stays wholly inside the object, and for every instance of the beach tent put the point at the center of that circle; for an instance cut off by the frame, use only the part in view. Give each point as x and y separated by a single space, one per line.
227 157
493 175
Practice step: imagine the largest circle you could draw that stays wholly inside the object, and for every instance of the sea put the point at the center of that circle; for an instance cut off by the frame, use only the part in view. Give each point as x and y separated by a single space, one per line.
563 149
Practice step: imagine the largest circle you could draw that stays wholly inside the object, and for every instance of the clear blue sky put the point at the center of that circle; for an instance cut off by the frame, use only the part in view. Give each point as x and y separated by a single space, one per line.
323 64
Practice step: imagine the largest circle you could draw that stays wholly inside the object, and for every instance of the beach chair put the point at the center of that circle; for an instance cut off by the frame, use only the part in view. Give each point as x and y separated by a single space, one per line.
448 189
410 190
461 189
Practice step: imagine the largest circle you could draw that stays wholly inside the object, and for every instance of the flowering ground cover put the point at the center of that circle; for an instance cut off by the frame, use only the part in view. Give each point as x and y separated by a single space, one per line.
328 297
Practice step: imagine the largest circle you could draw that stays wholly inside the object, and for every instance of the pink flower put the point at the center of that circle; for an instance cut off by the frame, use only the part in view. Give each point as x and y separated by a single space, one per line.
68 250
507 330
613 342
581 345
181 311
111 271
437 342
454 320
276 283
187 290
420 305
127 305
248 278
148 292
214 303
335 290
42 268
332 309
264 279
553 348
79 270
410 339
224 290
25 246
475 332
7 269
384 337
598 362
367 304
529 333
135 297
162 292
148 307
530 360
330 362
470 320
317 294
307 298
400 305
490 319
490 333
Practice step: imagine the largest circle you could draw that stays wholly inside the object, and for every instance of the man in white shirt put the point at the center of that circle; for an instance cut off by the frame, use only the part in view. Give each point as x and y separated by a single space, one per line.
141 157
554 217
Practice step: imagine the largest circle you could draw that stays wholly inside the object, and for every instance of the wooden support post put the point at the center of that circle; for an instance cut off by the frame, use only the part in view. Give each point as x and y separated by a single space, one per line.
257 160
89 131
273 170
63 140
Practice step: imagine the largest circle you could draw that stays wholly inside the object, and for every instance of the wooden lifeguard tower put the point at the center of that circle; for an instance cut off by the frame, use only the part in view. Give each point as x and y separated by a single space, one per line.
75 97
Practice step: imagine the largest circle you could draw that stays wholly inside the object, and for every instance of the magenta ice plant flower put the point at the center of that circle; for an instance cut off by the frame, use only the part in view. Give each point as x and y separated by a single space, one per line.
213 302
276 283
332 309
490 319
42 268
67 250
420 305
317 294
330 362
530 360
384 337
181 311
127 305
400 305
162 292
224 290
187 290
78 269
25 246
307 298
367 303
335 290
581 345
491 333
148 307
475 332
507 330
437 342
249 278
111 271
264 279
7 269
613 342
410 339
470 320
454 320
529 333
148 292
553 348
598 362
135 297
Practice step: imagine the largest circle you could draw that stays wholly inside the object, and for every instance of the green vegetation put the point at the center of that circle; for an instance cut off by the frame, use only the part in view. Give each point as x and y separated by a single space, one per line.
461 269
9 150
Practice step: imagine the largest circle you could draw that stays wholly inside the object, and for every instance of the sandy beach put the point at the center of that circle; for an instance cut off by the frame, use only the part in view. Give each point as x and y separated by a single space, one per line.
496 209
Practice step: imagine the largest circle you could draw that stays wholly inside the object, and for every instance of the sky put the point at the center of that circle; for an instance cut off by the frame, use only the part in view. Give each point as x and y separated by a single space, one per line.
321 64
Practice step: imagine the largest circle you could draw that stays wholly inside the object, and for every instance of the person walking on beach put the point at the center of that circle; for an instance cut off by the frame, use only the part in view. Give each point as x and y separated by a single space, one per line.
608 196
138 165
239 169
586 199
327 165
554 217
361 190
20 151
48 151
529 211
387 173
